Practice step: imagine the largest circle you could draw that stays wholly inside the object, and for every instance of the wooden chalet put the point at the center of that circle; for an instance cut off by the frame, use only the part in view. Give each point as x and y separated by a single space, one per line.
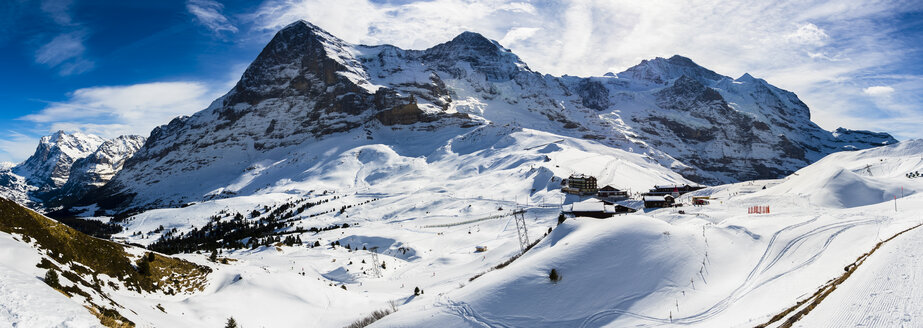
612 194
658 201
596 209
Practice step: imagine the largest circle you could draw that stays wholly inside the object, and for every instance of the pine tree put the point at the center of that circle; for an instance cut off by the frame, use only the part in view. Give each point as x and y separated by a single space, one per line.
416 291
51 278
214 256
554 276
144 267
231 323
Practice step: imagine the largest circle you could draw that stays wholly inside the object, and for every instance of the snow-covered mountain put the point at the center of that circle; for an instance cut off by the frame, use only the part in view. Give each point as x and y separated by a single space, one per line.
66 165
307 85
49 167
98 168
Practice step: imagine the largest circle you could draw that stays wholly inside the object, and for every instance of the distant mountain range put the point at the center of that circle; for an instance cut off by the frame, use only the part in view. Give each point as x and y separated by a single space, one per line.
307 87
65 166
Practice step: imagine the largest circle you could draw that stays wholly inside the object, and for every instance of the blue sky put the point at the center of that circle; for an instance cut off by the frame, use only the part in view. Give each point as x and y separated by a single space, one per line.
119 67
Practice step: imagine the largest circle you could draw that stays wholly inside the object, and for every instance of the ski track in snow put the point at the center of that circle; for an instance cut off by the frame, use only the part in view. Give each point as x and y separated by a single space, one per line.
881 293
752 281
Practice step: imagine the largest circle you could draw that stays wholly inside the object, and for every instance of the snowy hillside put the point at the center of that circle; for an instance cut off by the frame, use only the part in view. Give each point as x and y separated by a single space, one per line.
852 179
54 276
713 265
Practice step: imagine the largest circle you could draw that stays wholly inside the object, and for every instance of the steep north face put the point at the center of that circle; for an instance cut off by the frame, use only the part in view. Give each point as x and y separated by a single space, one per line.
307 85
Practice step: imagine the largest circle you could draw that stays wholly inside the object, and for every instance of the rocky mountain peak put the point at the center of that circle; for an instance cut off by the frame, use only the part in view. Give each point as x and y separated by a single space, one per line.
663 70
860 139
301 58
473 41
484 55
746 78
49 166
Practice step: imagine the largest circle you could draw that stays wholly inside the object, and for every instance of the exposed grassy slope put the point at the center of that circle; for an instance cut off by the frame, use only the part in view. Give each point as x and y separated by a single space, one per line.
85 261
67 245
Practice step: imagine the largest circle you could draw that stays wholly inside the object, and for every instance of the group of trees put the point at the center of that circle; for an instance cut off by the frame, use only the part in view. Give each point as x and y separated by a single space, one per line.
221 232
229 230
91 227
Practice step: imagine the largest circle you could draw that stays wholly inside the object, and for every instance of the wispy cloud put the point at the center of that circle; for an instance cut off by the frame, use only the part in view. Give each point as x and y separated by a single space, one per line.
208 13
108 112
66 51
15 146
827 52
117 110
59 11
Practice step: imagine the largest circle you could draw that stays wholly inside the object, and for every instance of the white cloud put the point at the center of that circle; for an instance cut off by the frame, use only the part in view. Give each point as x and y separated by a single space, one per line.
878 90
118 110
208 13
808 34
516 34
15 146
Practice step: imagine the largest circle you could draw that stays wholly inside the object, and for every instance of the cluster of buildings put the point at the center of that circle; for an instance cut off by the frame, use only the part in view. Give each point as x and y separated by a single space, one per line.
585 185
665 195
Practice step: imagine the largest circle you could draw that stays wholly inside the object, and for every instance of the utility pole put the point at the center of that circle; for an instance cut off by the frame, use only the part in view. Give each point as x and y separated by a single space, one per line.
375 264
520 216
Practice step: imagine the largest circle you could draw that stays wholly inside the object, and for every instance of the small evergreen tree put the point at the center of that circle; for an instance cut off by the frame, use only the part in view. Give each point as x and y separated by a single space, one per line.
416 291
214 256
554 276
561 218
144 267
231 323
51 278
